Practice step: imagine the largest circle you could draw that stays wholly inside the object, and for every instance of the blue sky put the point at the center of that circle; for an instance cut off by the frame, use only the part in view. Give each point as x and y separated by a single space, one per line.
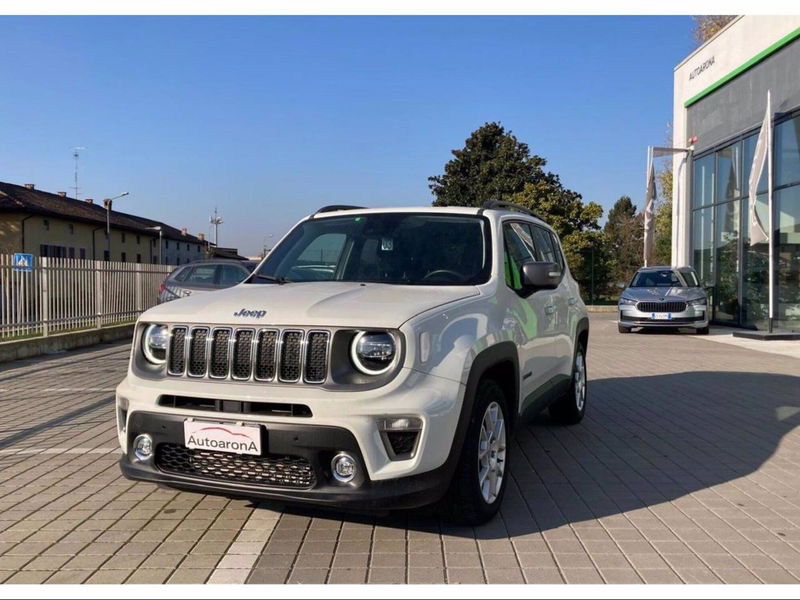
269 118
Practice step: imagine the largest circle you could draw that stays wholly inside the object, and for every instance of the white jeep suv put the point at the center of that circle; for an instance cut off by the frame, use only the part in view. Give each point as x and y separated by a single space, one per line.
377 358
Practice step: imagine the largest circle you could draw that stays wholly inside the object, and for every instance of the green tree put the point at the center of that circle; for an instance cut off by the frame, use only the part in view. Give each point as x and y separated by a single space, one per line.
662 250
495 165
625 234
492 165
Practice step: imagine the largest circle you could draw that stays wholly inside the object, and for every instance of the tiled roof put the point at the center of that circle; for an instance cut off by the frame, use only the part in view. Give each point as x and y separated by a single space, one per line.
18 198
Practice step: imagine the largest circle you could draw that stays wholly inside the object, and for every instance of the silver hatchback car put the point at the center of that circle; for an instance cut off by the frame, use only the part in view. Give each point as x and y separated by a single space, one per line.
664 297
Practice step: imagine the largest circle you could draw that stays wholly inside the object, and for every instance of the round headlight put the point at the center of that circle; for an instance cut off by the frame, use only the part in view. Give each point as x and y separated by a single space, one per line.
154 343
373 352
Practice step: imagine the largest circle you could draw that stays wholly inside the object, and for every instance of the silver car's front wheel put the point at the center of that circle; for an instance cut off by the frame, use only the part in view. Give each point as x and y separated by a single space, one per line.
492 452
570 408
579 381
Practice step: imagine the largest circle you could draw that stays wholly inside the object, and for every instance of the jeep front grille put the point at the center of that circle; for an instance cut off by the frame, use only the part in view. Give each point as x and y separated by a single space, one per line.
246 354
661 307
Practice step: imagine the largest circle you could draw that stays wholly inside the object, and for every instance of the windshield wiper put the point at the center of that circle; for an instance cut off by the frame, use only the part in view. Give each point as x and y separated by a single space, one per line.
278 280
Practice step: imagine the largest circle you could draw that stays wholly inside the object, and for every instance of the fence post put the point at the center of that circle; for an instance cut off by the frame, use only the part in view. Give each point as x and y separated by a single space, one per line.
45 298
138 290
98 292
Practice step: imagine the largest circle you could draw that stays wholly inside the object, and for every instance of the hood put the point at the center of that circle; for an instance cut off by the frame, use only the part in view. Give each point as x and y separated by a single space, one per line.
312 304
655 294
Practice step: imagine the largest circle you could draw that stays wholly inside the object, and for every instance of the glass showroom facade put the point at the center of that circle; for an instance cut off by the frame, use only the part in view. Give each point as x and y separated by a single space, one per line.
736 273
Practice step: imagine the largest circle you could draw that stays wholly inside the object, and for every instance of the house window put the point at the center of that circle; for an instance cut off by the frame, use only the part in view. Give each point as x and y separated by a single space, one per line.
138 240
71 252
46 224
123 237
106 256
71 228
123 257
166 244
83 253
138 258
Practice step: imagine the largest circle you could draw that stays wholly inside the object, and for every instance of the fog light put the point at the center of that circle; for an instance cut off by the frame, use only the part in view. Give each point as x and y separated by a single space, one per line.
143 447
343 467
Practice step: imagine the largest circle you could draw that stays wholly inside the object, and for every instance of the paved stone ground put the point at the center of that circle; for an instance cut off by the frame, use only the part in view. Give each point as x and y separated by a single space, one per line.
686 469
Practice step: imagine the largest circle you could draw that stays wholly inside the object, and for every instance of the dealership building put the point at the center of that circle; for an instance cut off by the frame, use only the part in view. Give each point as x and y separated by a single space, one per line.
719 105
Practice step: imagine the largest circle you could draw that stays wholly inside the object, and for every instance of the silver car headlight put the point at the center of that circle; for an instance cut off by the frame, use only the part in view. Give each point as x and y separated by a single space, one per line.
697 302
373 352
154 343
626 302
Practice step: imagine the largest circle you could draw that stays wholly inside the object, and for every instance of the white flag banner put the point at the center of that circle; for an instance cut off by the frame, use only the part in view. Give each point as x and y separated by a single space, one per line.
649 214
758 234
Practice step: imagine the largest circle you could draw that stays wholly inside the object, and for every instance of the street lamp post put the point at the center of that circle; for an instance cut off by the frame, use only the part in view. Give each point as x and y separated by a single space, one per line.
108 202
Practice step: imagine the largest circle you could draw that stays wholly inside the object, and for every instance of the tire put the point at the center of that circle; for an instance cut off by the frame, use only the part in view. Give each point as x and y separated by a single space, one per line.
702 331
570 408
470 501
622 329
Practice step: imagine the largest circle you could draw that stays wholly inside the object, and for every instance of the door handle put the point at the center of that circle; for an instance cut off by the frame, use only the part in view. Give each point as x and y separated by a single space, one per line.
549 309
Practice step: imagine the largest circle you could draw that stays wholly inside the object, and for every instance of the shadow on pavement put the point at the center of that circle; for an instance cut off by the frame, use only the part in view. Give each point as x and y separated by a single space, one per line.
645 441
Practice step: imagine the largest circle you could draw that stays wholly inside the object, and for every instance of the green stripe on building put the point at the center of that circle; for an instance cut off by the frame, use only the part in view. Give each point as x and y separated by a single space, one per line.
787 39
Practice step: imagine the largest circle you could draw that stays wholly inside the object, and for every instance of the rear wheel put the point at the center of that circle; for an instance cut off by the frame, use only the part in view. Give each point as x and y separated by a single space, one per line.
479 482
570 408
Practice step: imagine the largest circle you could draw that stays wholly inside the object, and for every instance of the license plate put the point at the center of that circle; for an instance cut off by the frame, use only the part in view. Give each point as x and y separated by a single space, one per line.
661 316
222 437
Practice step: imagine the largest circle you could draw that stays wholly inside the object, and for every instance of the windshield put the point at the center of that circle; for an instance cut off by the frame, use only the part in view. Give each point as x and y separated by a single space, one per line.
664 278
396 248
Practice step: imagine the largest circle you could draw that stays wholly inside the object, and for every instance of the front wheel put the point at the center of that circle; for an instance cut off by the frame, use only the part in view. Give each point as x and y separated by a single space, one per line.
479 482
570 408
622 329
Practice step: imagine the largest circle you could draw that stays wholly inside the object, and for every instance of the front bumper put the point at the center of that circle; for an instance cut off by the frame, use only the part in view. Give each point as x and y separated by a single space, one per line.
695 317
315 444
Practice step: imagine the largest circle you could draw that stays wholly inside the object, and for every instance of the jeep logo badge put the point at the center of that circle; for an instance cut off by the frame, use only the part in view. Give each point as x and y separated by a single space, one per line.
256 314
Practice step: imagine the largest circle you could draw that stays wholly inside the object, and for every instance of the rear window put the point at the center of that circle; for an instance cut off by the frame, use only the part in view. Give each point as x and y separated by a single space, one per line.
201 275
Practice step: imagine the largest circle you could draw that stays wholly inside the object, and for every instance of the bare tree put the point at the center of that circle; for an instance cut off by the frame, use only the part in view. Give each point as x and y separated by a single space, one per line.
706 26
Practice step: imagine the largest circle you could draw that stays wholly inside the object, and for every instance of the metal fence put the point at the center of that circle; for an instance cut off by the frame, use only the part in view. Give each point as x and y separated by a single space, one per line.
63 294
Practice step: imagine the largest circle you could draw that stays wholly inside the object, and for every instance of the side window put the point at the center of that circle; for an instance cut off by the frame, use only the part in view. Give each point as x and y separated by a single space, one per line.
544 242
518 250
182 274
231 275
557 251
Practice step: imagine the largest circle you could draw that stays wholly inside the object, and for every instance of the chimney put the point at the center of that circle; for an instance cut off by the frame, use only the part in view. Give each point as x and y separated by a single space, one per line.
89 200
184 231
201 237
62 194
30 186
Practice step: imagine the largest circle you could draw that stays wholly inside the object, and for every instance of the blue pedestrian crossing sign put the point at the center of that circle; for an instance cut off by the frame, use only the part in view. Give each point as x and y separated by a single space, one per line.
23 262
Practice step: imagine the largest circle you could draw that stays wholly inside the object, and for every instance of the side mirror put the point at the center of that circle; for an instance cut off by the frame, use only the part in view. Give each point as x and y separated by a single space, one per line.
540 276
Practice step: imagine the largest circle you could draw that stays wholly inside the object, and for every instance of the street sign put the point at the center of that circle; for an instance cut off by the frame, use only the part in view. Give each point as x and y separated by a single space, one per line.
23 262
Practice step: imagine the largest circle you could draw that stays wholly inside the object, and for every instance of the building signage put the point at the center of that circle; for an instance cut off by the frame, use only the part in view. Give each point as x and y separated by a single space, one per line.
23 262
706 65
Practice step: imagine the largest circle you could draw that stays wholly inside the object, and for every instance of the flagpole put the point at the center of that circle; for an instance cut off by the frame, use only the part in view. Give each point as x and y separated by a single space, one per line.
646 237
771 227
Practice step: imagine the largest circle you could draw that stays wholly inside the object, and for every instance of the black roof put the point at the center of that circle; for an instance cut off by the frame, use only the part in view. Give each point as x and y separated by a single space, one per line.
18 198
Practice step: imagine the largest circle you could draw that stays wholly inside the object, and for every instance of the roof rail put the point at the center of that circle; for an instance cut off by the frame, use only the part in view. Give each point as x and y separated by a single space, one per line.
335 207
502 204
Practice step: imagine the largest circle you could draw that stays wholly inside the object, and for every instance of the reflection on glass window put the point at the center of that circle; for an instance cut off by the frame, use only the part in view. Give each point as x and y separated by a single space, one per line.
787 257
703 184
703 245
728 173
787 152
